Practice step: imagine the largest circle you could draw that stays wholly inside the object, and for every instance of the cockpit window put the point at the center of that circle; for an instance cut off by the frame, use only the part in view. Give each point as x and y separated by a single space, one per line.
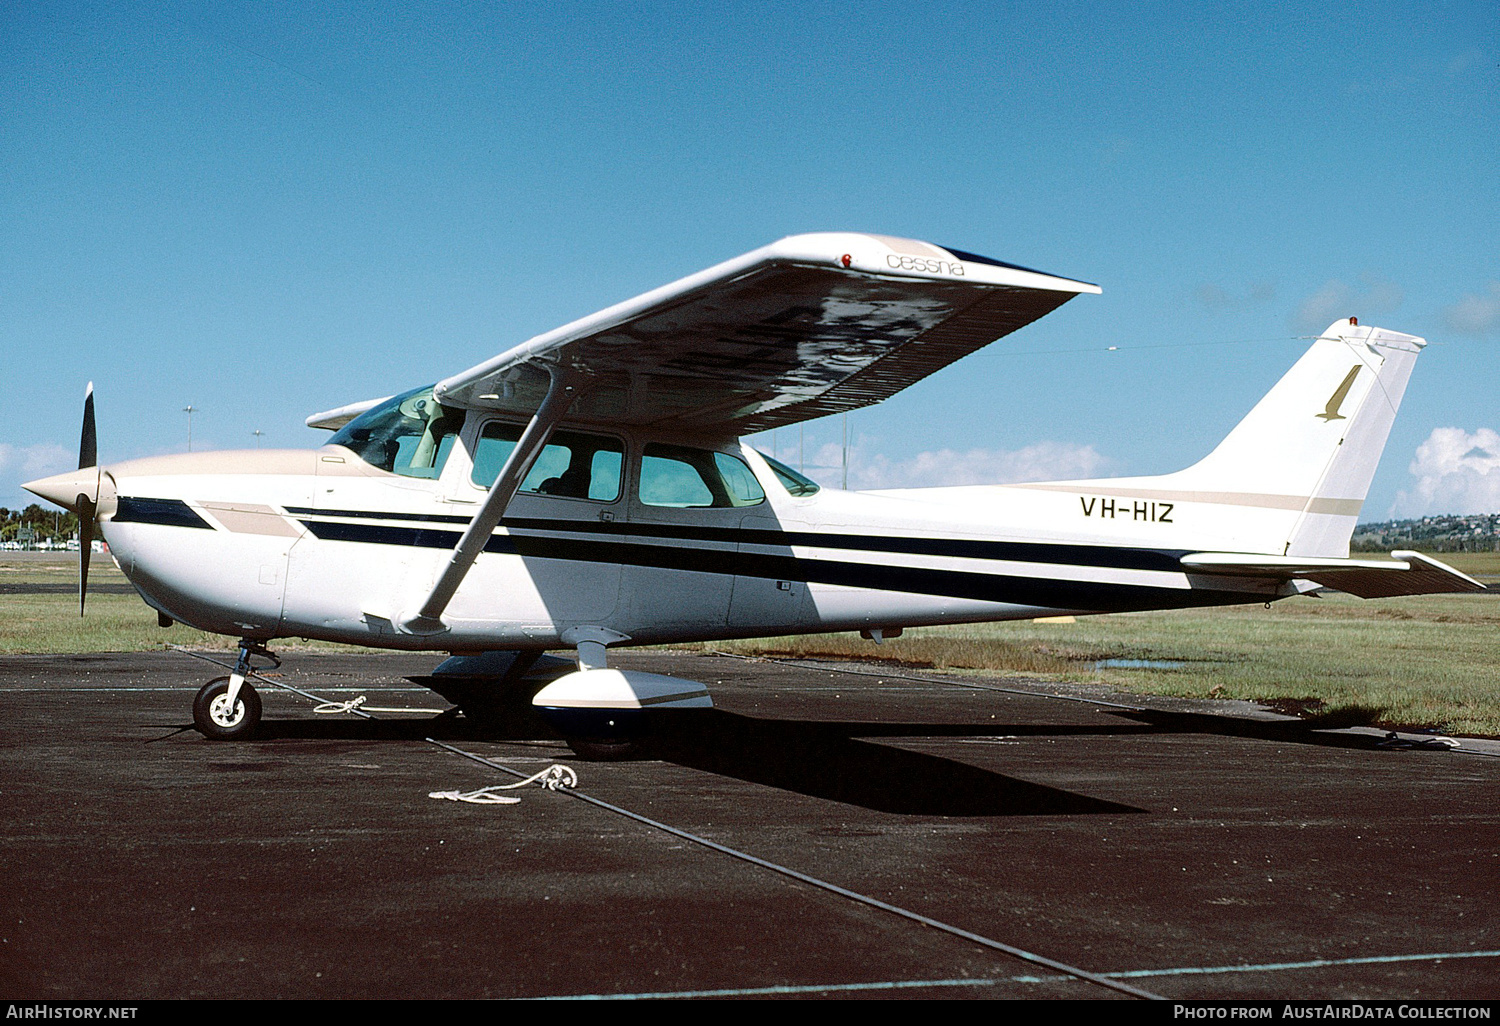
410 434
573 465
677 476
794 482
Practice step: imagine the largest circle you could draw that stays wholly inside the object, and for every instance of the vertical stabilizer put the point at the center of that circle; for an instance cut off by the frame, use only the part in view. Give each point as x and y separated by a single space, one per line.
1313 442
1291 478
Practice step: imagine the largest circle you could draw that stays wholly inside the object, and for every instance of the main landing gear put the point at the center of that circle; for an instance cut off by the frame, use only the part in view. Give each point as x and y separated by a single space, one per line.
228 708
606 715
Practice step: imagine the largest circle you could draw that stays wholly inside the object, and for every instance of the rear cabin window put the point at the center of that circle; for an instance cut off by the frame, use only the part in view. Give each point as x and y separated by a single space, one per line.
410 434
573 465
686 478
795 483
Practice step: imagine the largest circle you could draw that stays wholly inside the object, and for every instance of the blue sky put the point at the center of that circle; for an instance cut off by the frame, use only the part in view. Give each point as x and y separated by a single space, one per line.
269 209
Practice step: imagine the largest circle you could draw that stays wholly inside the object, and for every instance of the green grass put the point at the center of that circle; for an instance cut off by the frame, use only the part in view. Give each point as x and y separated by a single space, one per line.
45 624
1431 660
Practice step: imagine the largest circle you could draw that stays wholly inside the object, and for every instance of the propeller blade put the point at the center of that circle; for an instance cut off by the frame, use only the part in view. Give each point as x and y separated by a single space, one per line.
88 505
86 510
88 446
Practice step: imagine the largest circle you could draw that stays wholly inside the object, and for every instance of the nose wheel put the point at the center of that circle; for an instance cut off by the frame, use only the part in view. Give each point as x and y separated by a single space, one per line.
220 718
228 708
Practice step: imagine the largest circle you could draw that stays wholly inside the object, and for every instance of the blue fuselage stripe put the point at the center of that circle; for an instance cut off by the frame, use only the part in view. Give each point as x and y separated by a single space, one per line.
988 587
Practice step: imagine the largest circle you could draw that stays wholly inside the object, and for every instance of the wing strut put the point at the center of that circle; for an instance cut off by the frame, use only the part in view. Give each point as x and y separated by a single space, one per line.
563 389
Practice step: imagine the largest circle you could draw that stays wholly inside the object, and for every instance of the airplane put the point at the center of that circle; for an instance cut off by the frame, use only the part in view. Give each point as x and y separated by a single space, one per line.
588 488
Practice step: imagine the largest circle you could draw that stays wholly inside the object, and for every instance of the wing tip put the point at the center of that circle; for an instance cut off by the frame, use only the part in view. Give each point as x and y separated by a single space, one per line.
891 254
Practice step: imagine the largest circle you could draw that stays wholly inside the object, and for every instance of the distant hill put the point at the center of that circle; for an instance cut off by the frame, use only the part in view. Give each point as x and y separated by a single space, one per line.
1478 532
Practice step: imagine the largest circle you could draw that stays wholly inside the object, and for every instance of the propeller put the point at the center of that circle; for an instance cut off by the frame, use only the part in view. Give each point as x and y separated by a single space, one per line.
87 491
88 505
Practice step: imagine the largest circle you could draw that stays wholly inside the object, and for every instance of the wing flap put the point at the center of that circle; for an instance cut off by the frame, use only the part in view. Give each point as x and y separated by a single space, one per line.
1408 573
808 326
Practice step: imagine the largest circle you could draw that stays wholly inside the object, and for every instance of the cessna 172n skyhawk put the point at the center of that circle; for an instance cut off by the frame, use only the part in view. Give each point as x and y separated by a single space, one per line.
587 488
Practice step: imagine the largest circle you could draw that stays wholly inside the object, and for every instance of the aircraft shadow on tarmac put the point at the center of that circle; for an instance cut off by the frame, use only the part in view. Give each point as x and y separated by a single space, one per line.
819 760
829 760
838 761
1309 731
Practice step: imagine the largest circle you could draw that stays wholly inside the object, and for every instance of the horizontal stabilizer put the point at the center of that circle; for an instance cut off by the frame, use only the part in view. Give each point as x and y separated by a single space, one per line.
1412 573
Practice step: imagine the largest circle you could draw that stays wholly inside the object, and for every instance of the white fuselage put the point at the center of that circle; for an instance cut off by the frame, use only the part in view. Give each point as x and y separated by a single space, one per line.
319 544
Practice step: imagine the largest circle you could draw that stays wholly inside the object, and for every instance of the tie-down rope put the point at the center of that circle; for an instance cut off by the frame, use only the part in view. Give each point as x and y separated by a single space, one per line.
556 777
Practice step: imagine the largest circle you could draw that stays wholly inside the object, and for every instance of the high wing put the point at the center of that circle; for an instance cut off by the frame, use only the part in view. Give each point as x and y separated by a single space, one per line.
332 420
1411 573
802 328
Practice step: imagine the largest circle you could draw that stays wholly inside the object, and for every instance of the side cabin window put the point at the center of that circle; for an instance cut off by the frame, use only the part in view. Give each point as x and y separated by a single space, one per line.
573 464
684 478
410 434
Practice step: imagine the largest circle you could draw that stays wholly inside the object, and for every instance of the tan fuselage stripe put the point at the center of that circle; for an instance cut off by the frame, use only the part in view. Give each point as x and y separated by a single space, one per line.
1336 507
249 518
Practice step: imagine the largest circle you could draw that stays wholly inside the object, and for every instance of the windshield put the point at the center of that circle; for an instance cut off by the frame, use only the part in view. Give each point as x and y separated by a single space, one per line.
410 434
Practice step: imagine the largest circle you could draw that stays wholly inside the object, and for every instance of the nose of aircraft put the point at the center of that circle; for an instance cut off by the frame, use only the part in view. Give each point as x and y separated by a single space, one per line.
66 489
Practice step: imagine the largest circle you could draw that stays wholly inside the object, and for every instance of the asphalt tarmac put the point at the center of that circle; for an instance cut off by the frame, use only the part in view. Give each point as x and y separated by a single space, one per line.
1190 850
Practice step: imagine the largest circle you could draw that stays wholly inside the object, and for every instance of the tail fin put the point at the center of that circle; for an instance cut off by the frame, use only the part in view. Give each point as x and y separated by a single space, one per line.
1291 478
1316 438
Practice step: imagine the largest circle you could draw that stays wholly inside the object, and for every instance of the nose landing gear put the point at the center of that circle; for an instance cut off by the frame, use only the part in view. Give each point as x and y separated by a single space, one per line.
228 708
220 719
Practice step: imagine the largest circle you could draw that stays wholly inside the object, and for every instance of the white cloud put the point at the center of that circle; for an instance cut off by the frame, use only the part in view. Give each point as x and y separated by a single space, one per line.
1336 300
20 463
34 461
1475 314
1044 461
1456 472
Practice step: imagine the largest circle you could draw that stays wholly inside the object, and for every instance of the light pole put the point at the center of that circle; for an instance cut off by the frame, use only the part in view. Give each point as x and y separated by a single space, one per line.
257 433
188 409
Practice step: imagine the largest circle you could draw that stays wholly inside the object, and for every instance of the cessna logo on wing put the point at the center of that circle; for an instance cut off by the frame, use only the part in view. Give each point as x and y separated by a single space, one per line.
932 266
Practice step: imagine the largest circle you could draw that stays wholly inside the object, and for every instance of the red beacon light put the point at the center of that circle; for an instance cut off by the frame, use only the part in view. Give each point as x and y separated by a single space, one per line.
846 260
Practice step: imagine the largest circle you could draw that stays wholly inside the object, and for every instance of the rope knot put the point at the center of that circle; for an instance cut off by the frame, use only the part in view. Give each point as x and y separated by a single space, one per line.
557 776
333 708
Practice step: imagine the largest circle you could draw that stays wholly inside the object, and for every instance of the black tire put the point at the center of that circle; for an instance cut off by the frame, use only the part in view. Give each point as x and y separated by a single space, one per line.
212 722
608 749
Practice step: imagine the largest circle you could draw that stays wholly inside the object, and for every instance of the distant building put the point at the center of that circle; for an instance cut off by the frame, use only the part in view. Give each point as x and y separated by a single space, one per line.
1476 532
